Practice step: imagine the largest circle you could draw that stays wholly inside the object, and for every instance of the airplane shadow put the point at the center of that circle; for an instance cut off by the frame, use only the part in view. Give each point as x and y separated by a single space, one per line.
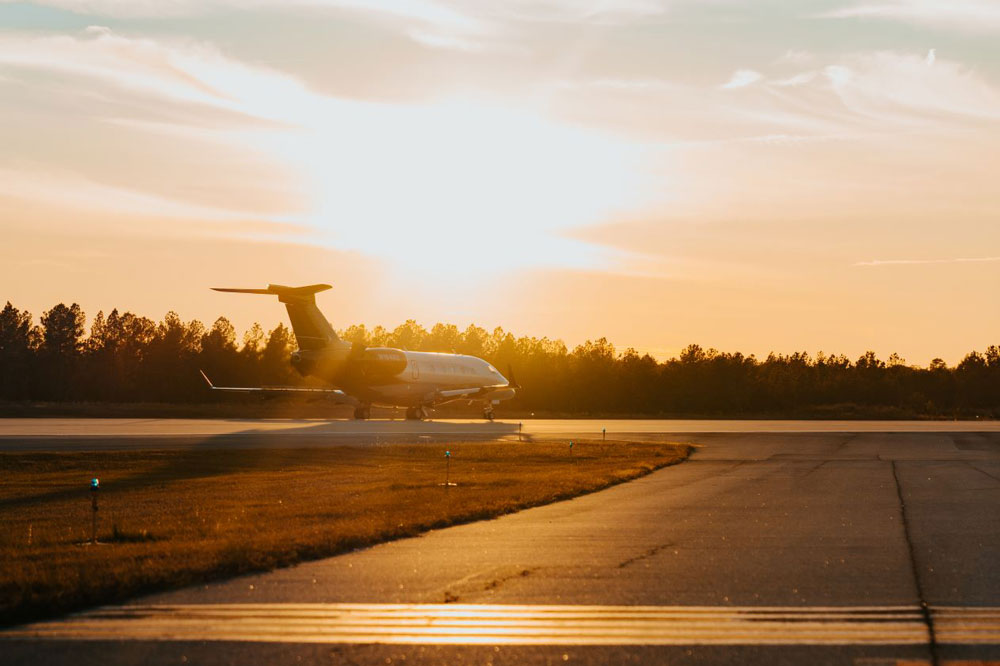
247 450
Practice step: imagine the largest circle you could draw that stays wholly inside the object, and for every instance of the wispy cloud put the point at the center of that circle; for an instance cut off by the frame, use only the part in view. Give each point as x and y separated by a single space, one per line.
433 23
910 262
187 72
972 15
899 87
799 79
428 11
742 78
857 95
351 167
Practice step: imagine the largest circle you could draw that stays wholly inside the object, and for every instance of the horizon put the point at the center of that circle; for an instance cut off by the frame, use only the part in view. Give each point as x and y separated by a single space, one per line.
753 178
660 356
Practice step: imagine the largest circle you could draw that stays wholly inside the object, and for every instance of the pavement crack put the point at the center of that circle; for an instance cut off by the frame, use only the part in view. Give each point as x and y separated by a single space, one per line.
816 468
918 584
472 586
844 442
645 555
497 582
983 471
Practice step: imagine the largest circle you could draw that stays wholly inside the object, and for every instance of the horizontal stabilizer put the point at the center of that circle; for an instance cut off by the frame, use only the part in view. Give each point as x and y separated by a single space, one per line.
312 330
279 290
242 291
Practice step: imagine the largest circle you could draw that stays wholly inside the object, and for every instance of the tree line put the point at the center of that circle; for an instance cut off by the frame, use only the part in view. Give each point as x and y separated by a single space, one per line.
129 358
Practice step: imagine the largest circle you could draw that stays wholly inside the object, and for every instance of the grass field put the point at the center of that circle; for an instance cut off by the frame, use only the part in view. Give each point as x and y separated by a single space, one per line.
171 518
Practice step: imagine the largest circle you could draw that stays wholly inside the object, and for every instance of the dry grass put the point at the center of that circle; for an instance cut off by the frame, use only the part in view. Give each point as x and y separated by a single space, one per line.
170 518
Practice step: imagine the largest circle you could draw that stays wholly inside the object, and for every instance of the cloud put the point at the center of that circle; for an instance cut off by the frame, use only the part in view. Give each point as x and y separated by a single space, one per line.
75 192
622 85
173 121
900 87
427 11
187 72
971 15
431 23
859 95
909 262
742 78
391 180
439 40
601 12
796 57
799 79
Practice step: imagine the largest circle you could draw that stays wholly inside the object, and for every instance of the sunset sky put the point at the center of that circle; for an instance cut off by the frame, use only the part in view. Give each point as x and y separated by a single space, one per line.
751 175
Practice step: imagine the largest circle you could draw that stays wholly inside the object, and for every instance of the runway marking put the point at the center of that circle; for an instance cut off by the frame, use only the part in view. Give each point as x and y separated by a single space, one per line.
523 625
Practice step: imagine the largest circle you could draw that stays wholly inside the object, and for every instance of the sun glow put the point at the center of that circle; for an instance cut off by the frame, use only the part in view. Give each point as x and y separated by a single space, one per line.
462 186
459 185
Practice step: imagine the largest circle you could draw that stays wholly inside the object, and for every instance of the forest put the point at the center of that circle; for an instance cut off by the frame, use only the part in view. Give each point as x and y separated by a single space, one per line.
127 358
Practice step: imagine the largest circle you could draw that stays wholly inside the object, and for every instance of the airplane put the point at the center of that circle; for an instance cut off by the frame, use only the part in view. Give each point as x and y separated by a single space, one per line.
383 376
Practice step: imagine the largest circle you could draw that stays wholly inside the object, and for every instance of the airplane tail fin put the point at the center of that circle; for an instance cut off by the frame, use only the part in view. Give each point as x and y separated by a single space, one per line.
311 328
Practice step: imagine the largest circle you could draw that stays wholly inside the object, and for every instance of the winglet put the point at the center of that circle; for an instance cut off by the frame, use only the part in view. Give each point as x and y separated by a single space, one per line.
205 377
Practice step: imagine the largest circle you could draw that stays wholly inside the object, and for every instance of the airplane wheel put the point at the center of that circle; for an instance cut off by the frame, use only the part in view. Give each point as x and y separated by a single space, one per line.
362 413
488 414
413 414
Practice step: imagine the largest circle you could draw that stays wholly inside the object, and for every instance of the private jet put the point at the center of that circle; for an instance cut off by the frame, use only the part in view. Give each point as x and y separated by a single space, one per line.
366 376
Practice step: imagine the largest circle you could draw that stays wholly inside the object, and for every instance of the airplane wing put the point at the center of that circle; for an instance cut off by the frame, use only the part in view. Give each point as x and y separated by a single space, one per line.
466 393
333 394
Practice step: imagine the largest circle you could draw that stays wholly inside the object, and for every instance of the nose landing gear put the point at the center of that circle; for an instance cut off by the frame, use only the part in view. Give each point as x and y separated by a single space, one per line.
363 412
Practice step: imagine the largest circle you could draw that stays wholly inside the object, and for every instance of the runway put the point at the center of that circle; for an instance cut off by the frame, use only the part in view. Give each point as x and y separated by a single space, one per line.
801 543
87 434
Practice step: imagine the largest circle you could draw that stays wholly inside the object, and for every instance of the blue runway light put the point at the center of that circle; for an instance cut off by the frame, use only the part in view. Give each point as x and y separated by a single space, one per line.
95 483
447 454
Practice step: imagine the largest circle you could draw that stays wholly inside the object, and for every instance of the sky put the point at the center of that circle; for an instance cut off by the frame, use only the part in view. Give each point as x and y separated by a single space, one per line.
749 175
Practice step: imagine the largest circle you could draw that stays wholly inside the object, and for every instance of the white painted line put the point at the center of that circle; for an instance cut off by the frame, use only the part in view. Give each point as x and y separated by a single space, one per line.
523 625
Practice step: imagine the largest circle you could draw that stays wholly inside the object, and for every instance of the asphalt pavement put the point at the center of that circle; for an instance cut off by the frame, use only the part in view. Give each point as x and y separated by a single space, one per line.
23 434
798 543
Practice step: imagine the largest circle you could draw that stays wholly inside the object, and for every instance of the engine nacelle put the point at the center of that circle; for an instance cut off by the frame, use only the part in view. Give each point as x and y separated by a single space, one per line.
307 362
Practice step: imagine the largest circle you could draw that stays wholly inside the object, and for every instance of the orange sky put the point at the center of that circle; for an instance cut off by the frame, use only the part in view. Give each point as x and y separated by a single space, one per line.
813 176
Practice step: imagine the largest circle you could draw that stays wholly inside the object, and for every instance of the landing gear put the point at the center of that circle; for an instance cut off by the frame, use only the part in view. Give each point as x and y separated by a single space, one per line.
488 412
363 412
416 413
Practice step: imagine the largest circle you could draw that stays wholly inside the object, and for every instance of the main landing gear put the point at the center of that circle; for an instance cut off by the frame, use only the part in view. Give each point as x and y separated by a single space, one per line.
488 412
363 412
416 413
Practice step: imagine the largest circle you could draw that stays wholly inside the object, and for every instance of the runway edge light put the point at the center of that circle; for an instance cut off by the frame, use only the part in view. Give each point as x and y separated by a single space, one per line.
95 485
447 470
